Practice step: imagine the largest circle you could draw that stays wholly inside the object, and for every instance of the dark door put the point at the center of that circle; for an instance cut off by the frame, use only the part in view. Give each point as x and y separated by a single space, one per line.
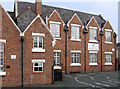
57 75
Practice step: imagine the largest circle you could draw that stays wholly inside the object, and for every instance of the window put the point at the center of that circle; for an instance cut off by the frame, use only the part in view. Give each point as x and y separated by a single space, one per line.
38 42
93 34
38 67
57 58
1 56
55 30
75 57
75 32
107 58
107 36
93 57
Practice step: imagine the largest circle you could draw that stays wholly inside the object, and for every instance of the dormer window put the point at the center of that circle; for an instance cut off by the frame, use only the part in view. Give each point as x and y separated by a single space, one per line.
55 29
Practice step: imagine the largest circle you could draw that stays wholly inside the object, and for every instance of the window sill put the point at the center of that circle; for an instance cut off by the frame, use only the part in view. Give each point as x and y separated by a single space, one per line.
93 41
38 50
108 64
75 39
2 73
108 42
93 64
57 67
38 72
75 64
57 38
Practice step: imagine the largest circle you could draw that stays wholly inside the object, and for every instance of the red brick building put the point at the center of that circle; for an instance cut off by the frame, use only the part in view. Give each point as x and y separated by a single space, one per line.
37 39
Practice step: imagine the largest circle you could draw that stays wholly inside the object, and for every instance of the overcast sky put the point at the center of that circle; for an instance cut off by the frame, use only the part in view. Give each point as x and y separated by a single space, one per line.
108 8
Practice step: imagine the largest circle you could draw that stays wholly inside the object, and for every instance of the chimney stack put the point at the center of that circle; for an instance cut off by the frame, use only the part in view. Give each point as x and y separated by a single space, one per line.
38 6
15 8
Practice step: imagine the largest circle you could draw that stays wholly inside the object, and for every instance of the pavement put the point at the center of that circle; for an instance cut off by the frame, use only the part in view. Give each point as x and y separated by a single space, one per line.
99 80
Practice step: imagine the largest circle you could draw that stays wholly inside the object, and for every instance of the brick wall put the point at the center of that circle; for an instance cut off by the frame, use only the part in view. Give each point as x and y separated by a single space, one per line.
45 77
12 47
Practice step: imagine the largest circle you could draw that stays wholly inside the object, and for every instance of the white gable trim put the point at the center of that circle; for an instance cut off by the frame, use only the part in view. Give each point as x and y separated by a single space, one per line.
106 24
72 18
42 21
91 20
58 15
12 20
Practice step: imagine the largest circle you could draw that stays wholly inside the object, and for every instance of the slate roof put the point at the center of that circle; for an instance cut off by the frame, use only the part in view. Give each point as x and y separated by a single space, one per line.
65 14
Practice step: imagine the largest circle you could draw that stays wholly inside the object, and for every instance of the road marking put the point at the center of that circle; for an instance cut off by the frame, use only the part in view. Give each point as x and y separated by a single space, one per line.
84 82
109 83
68 76
92 78
99 87
113 81
102 84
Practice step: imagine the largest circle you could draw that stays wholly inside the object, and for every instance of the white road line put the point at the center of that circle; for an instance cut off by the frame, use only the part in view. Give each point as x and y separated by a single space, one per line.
68 76
99 87
92 78
108 83
84 82
102 84
113 81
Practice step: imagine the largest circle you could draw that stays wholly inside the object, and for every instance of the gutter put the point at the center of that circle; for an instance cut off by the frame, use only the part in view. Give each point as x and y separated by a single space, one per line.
22 62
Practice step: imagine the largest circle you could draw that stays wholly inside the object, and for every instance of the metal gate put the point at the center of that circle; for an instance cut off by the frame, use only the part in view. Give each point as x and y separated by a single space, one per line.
57 75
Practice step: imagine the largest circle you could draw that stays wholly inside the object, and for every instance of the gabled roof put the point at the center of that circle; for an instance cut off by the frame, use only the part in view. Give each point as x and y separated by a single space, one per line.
65 14
25 18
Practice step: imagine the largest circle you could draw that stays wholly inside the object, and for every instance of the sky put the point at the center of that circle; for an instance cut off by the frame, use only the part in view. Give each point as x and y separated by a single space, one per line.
108 8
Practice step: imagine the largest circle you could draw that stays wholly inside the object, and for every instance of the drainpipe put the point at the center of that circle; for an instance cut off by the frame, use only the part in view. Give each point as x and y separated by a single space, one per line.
22 61
65 29
85 32
53 72
101 34
115 35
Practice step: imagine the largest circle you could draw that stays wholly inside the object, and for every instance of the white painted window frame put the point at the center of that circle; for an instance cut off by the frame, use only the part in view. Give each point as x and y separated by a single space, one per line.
93 52
54 22
2 73
38 49
108 30
76 25
38 61
75 64
95 28
109 53
57 51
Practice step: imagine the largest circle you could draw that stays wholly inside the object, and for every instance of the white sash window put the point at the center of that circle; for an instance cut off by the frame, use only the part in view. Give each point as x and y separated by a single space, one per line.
107 36
93 34
38 42
1 56
55 30
57 58
93 57
75 32
75 57
108 58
